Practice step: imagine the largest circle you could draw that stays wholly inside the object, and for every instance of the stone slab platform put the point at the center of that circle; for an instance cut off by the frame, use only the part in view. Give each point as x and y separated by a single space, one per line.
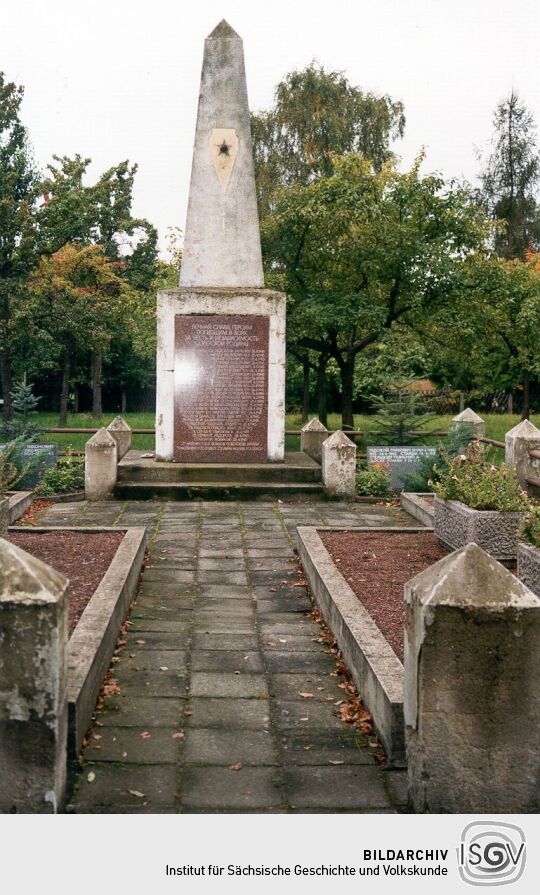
210 714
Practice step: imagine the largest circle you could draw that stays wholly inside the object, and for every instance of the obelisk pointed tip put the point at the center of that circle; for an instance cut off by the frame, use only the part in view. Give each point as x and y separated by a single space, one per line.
223 30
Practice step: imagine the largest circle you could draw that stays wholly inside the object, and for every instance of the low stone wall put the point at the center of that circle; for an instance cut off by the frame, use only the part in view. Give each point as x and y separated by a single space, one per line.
375 668
418 507
457 525
19 501
528 566
93 641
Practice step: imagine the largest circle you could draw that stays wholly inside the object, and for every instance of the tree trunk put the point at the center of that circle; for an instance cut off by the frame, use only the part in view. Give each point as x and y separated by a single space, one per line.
123 401
510 402
64 393
97 368
321 391
76 399
305 391
6 378
347 388
526 410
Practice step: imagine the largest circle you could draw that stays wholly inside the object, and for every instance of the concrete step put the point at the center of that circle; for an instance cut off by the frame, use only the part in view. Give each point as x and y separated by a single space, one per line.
238 490
297 468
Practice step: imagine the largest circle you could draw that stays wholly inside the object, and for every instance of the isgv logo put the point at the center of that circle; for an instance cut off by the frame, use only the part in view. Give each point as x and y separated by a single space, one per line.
491 853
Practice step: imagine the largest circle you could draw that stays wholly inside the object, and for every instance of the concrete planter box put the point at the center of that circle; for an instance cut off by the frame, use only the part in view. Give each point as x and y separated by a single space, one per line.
92 643
457 525
416 505
374 666
528 566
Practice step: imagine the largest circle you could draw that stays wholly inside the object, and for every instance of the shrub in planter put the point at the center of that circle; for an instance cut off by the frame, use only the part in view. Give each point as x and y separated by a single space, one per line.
476 501
64 478
373 481
528 552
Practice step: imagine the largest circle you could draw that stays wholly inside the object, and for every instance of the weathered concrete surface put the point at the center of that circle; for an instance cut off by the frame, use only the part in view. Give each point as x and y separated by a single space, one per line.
518 442
528 566
314 434
222 244
4 514
218 597
471 696
258 302
376 670
33 682
339 466
456 525
100 470
19 501
121 433
472 419
416 505
93 641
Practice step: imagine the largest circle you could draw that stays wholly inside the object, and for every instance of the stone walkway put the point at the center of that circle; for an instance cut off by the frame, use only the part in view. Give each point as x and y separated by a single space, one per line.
220 647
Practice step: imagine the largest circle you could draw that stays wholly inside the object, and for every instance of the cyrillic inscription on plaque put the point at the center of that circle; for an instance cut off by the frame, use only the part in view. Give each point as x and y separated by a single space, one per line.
220 388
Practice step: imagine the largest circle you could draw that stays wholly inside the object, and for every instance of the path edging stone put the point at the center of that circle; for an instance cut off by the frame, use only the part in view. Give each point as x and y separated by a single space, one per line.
375 668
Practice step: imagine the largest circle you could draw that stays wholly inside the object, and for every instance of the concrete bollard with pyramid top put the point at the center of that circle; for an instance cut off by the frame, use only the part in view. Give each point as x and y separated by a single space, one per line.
220 414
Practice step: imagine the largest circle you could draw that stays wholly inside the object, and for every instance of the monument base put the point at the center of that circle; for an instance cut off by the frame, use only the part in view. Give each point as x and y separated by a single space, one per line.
220 375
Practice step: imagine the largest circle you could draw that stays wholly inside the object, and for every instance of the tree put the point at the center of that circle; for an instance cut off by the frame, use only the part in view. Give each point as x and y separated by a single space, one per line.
495 322
100 215
362 250
78 297
317 115
510 179
18 225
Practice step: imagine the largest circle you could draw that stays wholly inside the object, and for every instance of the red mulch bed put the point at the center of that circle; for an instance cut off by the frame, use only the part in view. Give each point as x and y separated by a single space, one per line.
376 565
83 557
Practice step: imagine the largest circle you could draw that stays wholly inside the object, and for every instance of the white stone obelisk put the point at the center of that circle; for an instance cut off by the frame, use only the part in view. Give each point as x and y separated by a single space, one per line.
222 245
221 373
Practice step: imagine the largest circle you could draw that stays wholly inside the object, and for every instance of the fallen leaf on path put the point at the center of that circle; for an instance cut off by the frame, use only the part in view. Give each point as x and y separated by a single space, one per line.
236 767
305 695
145 735
135 792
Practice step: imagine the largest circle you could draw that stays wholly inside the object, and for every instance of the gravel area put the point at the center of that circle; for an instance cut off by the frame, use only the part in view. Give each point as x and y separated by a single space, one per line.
376 565
83 557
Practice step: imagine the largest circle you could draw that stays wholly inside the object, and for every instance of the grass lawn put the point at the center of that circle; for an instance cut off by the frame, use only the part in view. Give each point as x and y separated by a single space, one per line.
496 427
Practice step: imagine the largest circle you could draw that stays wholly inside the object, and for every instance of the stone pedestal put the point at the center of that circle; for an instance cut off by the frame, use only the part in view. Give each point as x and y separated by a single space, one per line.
220 375
121 433
100 466
519 441
471 695
312 438
33 684
339 466
472 419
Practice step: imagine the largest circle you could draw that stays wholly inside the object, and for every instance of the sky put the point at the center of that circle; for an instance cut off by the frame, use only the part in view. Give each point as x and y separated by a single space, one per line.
113 79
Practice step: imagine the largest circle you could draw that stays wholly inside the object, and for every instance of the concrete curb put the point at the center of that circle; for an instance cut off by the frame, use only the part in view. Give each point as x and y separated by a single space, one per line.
19 501
93 641
415 505
375 668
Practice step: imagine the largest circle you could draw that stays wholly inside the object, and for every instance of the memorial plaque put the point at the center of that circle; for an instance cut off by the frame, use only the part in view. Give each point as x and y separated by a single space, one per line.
40 457
402 460
220 388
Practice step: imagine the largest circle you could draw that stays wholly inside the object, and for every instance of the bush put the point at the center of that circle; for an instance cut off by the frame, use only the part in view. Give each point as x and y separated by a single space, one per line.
66 476
481 486
530 527
373 481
